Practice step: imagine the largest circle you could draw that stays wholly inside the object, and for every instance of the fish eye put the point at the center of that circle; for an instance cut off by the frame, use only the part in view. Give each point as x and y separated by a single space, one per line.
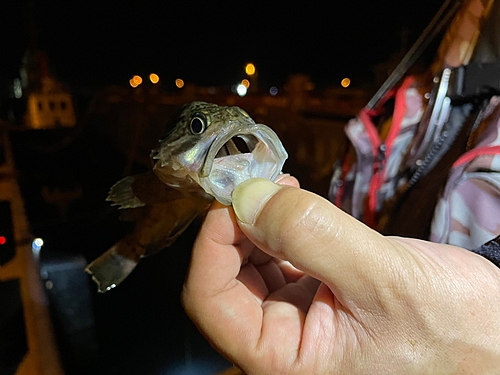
198 123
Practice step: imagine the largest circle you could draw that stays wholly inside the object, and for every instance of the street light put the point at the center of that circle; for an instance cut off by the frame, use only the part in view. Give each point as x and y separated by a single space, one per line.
241 90
135 81
345 82
250 69
179 83
154 78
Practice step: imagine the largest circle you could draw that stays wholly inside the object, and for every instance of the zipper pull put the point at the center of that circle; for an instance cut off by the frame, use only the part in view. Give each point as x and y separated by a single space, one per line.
381 152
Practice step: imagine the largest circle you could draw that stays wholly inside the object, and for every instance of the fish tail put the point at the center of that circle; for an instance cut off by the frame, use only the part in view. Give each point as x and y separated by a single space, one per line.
112 267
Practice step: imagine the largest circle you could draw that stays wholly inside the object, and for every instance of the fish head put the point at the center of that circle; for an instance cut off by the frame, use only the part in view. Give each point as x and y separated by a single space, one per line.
217 148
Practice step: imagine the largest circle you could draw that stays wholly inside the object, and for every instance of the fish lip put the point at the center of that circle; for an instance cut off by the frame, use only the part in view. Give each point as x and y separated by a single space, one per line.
262 132
268 157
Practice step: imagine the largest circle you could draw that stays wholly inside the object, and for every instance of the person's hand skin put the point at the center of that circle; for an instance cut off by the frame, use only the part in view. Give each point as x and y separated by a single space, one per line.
385 305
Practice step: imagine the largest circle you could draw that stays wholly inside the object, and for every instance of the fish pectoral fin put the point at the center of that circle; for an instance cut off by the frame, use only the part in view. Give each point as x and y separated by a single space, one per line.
112 267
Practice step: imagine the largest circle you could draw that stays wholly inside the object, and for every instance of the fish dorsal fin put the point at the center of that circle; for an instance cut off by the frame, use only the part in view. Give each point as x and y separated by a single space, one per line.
122 194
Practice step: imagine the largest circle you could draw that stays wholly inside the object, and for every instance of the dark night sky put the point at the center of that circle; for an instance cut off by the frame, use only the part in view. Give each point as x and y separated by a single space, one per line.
208 42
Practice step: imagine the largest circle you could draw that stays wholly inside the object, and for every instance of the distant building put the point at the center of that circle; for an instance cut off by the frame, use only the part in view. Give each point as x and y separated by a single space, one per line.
49 106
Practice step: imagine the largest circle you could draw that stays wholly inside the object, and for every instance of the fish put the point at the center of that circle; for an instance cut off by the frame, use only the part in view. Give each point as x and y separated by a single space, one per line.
210 150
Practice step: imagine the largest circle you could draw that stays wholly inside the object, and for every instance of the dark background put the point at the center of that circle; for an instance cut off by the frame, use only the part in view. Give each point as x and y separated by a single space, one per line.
208 42
140 327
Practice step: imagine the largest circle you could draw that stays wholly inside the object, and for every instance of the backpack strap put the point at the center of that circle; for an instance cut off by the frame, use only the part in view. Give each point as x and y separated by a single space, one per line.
457 94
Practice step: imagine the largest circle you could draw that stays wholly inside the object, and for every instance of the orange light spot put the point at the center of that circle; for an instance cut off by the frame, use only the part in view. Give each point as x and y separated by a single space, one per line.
245 83
137 80
179 83
345 82
250 69
154 78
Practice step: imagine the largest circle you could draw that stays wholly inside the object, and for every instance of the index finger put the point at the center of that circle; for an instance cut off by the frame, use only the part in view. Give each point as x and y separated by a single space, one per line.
221 246
212 295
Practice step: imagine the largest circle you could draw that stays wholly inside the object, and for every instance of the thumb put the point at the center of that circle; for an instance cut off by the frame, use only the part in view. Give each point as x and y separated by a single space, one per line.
318 238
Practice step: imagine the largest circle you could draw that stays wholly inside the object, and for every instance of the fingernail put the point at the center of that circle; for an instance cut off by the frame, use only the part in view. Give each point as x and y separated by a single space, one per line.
250 196
281 177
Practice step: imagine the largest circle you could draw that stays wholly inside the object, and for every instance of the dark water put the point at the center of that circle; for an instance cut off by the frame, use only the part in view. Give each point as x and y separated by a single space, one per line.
139 327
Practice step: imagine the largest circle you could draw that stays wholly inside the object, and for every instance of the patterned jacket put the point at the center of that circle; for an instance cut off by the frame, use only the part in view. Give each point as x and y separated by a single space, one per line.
369 176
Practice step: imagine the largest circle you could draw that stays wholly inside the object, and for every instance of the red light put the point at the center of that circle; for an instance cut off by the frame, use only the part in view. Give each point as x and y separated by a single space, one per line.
3 240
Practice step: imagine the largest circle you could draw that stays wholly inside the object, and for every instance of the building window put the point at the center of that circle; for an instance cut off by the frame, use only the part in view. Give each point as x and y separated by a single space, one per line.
39 106
63 105
52 105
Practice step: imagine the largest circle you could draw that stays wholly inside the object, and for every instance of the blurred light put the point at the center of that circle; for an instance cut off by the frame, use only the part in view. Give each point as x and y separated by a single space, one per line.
345 82
154 78
36 246
179 83
273 91
132 83
245 83
250 69
203 366
3 240
18 88
241 90
137 80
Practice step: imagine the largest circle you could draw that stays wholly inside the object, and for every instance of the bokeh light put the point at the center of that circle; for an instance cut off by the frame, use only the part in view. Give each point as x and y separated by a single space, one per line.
241 90
250 69
137 80
179 83
345 82
36 246
154 78
273 91
246 83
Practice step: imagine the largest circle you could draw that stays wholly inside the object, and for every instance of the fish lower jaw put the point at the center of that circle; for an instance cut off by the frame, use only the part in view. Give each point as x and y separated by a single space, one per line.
229 171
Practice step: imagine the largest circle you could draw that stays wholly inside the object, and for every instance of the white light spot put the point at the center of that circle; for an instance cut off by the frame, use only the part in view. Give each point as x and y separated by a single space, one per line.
273 91
36 246
241 90
18 88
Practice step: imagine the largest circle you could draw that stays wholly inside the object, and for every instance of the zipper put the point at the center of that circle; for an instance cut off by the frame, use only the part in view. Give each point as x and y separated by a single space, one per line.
422 168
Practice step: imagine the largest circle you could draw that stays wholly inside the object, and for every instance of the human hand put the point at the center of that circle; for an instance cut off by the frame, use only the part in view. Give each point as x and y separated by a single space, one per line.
382 305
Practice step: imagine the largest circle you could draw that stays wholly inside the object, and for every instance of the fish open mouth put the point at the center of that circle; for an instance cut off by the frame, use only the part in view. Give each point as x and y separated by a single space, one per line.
239 155
240 144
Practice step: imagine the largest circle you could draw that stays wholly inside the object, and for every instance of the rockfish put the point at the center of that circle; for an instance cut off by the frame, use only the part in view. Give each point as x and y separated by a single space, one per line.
210 151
